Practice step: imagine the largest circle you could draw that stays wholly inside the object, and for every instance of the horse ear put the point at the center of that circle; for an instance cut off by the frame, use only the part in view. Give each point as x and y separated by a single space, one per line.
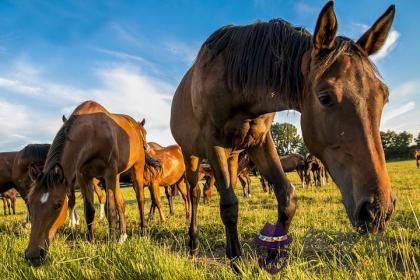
64 118
373 39
34 172
326 28
142 122
58 173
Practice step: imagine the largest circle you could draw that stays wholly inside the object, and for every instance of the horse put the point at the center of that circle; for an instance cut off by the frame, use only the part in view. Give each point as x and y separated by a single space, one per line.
9 200
226 101
312 165
417 156
245 167
14 168
170 173
92 143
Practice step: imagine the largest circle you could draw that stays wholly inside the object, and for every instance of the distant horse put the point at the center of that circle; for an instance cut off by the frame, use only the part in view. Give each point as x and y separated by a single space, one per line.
92 143
243 74
171 172
316 167
417 156
14 168
290 163
9 200
245 168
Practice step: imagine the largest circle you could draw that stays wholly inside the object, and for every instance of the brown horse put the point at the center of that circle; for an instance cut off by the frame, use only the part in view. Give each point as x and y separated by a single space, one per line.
417 156
242 74
14 168
313 166
9 200
91 143
170 173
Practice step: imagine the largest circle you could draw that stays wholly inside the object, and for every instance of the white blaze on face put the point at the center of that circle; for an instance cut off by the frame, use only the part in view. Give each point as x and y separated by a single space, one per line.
44 197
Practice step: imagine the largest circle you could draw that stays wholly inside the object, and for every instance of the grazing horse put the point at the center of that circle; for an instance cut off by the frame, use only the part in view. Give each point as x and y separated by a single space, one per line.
417 156
294 162
9 200
92 143
14 168
171 172
316 167
226 101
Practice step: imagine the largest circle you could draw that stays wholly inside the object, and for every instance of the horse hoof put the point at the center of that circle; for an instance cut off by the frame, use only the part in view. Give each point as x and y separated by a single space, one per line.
122 239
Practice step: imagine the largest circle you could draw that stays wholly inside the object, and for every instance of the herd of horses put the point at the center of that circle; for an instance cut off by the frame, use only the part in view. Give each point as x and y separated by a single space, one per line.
222 109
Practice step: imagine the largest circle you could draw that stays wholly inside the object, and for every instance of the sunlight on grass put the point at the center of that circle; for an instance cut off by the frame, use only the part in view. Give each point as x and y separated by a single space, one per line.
325 245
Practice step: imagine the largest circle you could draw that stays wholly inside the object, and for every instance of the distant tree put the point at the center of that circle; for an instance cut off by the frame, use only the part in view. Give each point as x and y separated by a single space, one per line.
396 145
417 141
302 149
286 138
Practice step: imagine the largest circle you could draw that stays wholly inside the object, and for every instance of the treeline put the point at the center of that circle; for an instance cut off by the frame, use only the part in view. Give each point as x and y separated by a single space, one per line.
397 146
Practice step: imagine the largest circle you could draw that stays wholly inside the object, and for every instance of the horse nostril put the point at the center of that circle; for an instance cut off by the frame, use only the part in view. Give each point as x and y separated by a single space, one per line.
42 253
366 214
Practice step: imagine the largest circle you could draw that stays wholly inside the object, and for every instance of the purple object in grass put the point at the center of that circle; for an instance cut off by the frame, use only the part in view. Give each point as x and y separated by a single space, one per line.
272 239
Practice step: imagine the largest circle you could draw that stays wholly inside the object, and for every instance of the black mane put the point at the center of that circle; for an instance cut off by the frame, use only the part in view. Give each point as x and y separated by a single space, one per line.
263 55
268 56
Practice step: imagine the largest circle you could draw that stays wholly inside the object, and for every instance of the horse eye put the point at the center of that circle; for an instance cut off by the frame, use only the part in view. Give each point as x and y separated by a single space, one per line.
325 99
57 206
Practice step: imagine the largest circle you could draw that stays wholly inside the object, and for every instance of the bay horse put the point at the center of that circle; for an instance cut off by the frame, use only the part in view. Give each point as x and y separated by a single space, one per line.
14 168
92 143
226 101
417 156
9 201
171 172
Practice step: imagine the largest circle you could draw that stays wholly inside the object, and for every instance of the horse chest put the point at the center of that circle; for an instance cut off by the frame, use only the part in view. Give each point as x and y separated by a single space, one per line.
245 133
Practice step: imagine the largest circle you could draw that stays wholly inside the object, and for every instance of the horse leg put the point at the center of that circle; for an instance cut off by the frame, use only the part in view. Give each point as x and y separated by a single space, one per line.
111 184
183 189
267 161
225 170
152 206
192 169
8 205
138 170
121 210
14 205
89 207
101 197
156 197
4 205
248 183
243 184
71 206
168 193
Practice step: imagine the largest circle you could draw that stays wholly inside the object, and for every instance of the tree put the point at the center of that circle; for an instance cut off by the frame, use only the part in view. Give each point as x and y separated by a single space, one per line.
286 138
417 141
396 145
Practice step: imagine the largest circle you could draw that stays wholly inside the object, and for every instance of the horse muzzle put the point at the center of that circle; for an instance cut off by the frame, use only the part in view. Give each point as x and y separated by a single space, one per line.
36 256
372 216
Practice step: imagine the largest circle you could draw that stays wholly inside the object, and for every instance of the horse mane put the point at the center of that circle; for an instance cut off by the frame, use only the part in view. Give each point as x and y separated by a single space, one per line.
36 153
152 168
268 56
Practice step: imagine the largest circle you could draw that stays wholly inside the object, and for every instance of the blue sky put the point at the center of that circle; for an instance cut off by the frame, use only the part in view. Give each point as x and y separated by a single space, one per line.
131 55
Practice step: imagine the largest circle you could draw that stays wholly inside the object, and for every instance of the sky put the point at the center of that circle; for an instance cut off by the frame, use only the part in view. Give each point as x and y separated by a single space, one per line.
131 55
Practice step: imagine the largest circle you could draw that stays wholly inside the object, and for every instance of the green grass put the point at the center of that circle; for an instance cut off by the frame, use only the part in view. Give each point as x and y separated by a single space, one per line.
325 245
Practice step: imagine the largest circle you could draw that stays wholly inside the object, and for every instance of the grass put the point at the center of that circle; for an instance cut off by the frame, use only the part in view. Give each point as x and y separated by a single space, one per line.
325 245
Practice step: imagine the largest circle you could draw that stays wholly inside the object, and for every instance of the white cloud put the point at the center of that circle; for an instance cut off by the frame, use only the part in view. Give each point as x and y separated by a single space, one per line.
407 88
122 89
304 9
186 52
389 45
18 86
20 125
398 111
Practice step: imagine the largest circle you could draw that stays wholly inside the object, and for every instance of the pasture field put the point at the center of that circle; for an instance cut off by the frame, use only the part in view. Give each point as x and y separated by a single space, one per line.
325 245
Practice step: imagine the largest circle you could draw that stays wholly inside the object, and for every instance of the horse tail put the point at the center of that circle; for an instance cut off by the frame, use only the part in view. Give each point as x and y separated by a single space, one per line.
152 168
